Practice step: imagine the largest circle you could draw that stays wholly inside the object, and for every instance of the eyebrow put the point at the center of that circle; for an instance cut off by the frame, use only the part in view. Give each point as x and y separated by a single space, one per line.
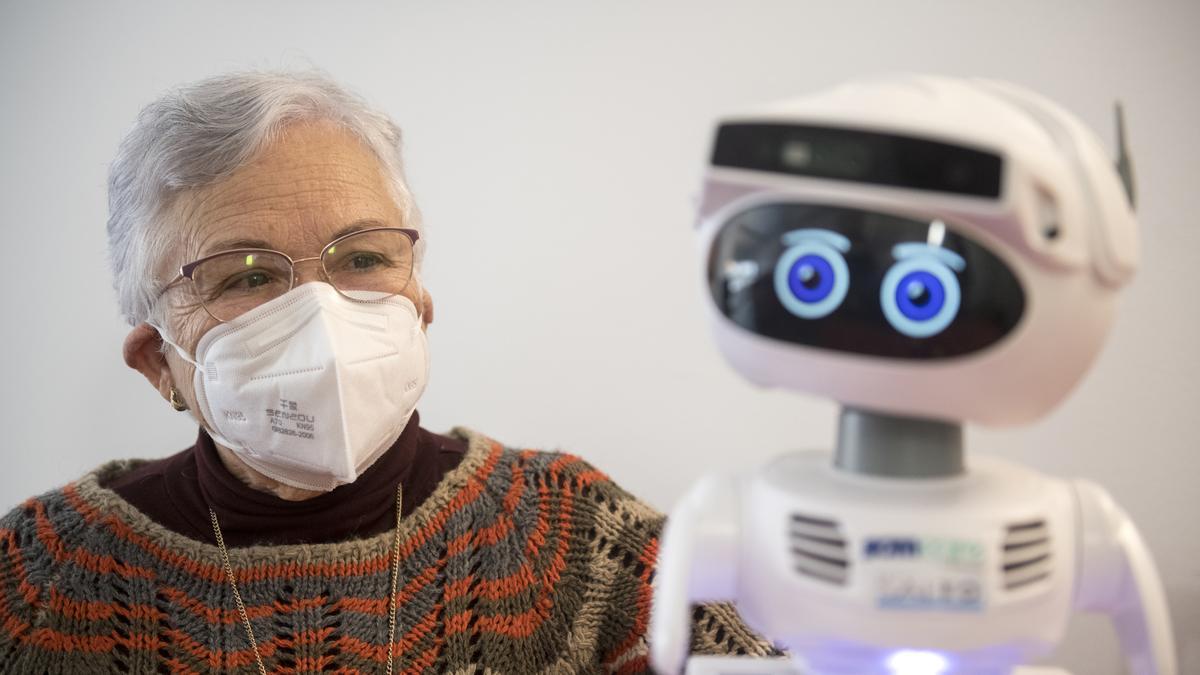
233 244
913 248
356 226
827 237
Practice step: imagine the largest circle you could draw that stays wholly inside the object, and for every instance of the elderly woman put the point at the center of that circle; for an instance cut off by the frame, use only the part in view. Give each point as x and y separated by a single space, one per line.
266 251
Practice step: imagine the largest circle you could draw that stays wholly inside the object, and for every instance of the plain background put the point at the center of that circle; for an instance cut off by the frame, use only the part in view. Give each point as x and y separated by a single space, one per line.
555 149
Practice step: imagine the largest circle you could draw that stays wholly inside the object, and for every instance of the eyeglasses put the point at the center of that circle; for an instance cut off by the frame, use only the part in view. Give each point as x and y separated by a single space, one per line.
231 283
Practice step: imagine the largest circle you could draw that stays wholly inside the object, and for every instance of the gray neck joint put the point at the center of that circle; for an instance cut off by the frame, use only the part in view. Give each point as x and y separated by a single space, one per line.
877 444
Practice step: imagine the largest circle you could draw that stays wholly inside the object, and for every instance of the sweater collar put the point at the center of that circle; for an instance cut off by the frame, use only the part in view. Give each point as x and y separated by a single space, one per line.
247 513
104 505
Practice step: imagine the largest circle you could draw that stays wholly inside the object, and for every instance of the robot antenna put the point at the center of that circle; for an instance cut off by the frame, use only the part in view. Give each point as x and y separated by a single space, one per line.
1124 161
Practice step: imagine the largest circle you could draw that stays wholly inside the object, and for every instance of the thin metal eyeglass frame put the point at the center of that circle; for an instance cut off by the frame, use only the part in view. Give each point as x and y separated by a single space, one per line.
185 272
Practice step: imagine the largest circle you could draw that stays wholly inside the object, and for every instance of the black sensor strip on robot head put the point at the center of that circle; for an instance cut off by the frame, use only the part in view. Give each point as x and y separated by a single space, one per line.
859 156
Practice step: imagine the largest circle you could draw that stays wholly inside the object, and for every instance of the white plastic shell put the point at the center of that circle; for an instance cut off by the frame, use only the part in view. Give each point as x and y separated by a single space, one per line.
1053 165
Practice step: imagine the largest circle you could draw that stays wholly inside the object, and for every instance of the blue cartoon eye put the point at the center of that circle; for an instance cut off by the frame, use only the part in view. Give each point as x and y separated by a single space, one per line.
920 295
811 277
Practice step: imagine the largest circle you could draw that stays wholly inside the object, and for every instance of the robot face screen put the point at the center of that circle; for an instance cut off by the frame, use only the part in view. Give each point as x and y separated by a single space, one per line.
862 282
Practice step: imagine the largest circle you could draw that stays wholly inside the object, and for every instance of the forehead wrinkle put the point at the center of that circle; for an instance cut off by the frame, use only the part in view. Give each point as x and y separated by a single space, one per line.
314 217
294 194
321 151
334 154
286 226
291 180
310 193
293 172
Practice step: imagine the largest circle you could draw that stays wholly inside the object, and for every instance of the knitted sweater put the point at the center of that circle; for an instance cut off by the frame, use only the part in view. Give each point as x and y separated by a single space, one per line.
519 562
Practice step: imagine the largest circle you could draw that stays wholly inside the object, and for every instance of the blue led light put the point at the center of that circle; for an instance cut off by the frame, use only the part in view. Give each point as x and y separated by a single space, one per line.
920 295
811 278
917 662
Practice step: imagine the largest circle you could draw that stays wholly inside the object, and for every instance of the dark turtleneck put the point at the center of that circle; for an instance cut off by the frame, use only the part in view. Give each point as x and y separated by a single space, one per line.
178 491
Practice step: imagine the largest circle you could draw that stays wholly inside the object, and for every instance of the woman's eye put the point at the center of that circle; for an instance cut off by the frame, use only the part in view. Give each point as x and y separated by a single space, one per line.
920 296
364 261
811 279
257 279
249 281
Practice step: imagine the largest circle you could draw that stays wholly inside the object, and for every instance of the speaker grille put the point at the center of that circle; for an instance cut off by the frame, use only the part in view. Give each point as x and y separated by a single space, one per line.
1026 557
819 549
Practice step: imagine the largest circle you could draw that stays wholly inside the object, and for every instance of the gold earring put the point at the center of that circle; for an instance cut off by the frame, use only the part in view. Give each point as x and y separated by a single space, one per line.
177 401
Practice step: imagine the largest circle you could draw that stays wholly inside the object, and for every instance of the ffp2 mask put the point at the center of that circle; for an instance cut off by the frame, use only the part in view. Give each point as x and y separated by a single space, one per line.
312 387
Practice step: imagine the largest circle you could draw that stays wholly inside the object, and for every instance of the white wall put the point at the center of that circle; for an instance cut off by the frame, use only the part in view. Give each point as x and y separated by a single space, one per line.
555 148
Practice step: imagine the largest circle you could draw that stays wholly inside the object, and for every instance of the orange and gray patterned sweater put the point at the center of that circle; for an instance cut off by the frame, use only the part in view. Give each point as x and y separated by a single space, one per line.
519 562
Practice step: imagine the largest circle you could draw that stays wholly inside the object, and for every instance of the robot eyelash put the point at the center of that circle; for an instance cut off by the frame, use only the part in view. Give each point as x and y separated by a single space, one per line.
830 238
945 256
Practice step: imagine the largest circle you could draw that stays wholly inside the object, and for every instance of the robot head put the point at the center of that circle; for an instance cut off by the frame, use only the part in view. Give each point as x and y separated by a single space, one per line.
929 247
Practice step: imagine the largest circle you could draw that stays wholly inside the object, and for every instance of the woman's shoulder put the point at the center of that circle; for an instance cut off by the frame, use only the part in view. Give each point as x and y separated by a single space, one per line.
608 535
512 474
76 517
59 525
65 507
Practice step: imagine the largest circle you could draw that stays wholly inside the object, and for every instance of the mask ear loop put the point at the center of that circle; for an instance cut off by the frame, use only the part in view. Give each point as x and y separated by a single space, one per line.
417 301
420 294
162 334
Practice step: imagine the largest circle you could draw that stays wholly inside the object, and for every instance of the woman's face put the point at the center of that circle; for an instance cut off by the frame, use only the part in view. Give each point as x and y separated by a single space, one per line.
304 190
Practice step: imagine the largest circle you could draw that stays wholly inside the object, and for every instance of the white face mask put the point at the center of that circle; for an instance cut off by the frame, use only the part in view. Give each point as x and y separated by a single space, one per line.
312 387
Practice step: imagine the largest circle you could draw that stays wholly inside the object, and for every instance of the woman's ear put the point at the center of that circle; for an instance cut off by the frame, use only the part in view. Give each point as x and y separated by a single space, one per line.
427 302
143 353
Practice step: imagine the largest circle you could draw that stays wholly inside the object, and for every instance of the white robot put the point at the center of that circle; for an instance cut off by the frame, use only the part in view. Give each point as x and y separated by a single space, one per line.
928 252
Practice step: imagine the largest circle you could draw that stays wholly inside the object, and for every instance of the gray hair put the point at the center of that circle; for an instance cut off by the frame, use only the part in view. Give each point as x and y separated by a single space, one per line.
199 133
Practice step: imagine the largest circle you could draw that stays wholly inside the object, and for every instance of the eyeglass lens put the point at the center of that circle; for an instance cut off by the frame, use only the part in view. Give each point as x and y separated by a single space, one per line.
231 284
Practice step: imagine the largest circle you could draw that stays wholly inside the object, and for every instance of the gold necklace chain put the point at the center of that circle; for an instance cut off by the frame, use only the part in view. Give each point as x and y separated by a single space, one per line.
237 596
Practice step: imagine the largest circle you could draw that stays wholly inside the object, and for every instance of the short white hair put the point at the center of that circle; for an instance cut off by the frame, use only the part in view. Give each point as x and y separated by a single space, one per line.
198 134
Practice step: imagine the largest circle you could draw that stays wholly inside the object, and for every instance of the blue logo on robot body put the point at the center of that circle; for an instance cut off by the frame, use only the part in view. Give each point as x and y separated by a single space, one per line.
893 548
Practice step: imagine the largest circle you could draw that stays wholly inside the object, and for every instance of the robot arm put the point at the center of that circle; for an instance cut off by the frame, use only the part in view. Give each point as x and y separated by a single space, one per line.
697 562
1117 577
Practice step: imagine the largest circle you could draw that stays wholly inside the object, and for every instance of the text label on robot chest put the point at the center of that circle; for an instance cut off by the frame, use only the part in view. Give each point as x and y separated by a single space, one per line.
950 551
925 573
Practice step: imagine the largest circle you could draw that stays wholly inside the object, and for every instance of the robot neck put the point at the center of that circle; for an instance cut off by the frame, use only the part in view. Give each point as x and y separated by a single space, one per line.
877 444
